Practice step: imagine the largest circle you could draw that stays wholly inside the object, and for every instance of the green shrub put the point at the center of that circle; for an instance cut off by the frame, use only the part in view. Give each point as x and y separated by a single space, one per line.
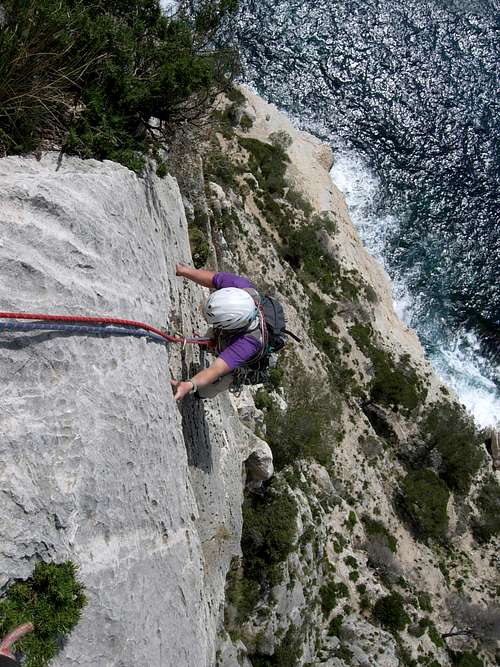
92 74
198 238
268 164
282 139
487 525
276 376
390 611
335 626
52 599
394 384
449 430
465 659
246 122
287 654
375 527
298 201
269 533
242 593
218 167
330 594
424 601
424 501
263 400
351 520
303 430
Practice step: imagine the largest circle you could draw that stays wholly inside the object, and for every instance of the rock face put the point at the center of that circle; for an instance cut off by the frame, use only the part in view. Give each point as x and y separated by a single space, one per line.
97 464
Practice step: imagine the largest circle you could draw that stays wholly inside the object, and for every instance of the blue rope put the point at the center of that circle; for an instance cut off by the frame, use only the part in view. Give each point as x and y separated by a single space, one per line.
13 325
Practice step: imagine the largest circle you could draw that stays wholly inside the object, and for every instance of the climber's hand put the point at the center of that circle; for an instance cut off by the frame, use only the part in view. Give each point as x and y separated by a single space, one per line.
181 388
179 269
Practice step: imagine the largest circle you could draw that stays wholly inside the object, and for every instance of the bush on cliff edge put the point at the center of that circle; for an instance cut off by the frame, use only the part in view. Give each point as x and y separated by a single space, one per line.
89 75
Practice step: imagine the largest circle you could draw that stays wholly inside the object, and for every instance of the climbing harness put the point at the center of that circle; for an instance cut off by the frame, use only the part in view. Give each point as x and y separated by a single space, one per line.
77 324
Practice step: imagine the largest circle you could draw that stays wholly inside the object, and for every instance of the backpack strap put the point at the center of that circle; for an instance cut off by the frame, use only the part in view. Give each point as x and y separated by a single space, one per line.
292 335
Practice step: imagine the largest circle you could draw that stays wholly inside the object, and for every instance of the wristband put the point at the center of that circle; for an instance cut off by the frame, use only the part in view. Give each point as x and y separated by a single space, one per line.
195 387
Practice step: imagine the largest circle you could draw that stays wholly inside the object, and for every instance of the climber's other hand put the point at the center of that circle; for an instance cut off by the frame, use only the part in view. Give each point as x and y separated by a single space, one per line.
181 388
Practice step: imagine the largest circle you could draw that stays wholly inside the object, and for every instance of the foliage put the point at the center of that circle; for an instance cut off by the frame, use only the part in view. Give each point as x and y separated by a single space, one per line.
452 433
335 626
488 502
434 635
394 384
268 164
320 326
375 527
299 202
390 611
303 430
219 168
276 376
198 238
281 138
424 601
330 594
242 593
465 659
424 501
351 520
91 74
263 400
269 533
287 654
52 600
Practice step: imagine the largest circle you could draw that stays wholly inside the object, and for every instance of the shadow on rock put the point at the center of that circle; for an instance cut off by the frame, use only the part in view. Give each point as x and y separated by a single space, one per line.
194 425
196 434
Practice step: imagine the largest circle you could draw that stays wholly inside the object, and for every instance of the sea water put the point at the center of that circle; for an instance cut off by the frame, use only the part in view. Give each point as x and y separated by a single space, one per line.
407 95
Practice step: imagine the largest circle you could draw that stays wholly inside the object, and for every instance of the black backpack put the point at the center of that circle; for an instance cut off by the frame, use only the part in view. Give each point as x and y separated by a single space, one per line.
274 316
257 371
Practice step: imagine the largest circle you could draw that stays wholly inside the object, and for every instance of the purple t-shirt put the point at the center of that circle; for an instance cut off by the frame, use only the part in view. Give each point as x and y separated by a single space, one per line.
244 347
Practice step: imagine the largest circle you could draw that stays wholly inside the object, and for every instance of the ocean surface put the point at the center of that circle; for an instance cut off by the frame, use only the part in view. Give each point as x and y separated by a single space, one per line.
407 94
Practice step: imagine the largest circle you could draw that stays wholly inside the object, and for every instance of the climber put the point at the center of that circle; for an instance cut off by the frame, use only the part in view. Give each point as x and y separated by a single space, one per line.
233 313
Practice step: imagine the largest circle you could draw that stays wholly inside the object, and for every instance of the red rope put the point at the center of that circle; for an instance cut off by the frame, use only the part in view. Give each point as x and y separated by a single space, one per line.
13 637
104 320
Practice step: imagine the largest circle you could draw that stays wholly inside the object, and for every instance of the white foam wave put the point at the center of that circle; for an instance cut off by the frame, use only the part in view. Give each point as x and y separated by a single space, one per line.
169 6
458 362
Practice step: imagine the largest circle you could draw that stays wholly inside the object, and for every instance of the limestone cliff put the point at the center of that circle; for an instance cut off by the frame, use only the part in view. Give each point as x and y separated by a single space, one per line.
100 466
97 464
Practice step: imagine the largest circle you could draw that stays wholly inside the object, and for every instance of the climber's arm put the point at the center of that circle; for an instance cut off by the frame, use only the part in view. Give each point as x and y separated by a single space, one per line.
202 379
203 277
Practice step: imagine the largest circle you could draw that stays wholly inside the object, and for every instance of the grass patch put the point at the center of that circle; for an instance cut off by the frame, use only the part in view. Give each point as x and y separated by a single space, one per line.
52 599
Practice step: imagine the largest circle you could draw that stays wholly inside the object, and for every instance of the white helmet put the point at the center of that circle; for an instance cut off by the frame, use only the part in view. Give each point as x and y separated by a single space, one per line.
231 308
